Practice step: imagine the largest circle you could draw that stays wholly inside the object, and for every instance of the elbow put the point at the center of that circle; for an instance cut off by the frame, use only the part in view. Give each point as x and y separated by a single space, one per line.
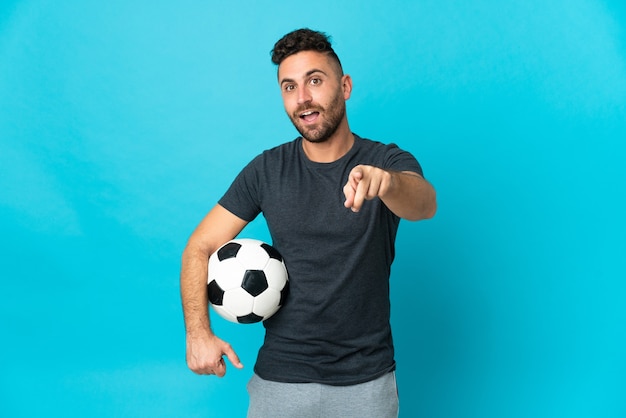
424 214
431 207
431 204
195 249
426 209
430 212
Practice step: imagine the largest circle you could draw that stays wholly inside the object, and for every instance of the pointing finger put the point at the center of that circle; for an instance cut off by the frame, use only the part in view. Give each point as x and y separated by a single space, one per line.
233 357
348 192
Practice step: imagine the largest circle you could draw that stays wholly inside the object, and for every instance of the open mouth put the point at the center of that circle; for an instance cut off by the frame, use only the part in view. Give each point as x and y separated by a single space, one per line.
309 115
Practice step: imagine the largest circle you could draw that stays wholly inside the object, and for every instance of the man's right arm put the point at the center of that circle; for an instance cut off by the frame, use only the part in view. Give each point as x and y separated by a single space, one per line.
205 350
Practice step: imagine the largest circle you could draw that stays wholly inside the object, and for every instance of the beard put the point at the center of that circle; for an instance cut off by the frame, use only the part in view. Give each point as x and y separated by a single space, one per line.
322 131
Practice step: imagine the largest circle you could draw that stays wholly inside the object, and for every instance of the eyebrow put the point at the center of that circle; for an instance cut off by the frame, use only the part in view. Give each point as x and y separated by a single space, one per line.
308 73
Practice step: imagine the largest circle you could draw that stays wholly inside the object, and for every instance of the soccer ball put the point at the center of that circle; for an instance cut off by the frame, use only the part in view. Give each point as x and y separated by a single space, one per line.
247 281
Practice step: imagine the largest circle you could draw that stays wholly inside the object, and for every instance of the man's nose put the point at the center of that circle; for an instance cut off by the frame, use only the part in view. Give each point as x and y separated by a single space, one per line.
304 95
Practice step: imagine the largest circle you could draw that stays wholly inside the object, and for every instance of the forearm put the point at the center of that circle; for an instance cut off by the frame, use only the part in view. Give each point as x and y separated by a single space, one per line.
193 280
410 196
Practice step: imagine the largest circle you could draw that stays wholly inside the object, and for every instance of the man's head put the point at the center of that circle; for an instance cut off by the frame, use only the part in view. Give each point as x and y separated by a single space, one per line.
312 83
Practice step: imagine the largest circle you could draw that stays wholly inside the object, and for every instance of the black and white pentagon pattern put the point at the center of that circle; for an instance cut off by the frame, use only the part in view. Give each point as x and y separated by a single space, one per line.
247 281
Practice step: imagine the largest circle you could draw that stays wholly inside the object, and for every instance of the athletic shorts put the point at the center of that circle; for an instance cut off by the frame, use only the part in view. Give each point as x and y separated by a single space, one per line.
375 399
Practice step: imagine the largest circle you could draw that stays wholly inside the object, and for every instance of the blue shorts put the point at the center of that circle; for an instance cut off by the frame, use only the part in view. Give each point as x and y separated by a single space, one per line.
376 399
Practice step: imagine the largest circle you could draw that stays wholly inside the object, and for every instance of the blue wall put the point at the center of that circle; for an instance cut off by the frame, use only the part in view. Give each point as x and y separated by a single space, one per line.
122 122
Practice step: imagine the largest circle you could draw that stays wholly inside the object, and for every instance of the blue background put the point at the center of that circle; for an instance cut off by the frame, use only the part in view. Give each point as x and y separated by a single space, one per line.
122 122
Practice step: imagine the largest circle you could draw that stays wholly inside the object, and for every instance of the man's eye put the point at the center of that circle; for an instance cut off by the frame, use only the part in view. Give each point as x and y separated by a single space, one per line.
316 81
289 87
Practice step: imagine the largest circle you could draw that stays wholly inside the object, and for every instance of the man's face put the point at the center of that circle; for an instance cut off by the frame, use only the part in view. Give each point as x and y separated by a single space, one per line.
314 94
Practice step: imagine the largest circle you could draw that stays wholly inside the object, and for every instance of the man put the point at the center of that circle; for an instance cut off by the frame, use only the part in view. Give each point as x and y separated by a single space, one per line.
333 202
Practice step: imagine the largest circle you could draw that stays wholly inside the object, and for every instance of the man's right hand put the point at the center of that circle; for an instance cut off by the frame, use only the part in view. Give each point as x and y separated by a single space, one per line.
205 355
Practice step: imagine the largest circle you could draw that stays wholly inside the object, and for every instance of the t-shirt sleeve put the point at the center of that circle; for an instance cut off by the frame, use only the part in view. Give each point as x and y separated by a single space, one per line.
399 160
242 197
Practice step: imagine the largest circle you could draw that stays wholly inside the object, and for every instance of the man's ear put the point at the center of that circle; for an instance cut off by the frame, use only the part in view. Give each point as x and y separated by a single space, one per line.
346 85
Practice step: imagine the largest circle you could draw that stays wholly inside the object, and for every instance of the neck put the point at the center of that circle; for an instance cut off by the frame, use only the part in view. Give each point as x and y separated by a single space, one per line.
333 148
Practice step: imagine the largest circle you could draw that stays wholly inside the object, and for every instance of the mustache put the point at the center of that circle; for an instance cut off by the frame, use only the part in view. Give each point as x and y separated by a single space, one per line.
307 107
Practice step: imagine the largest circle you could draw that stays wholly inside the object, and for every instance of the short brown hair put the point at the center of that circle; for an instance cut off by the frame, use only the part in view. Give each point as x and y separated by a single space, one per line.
303 40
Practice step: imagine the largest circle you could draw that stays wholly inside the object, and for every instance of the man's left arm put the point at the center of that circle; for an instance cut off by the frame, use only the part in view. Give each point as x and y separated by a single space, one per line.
405 193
